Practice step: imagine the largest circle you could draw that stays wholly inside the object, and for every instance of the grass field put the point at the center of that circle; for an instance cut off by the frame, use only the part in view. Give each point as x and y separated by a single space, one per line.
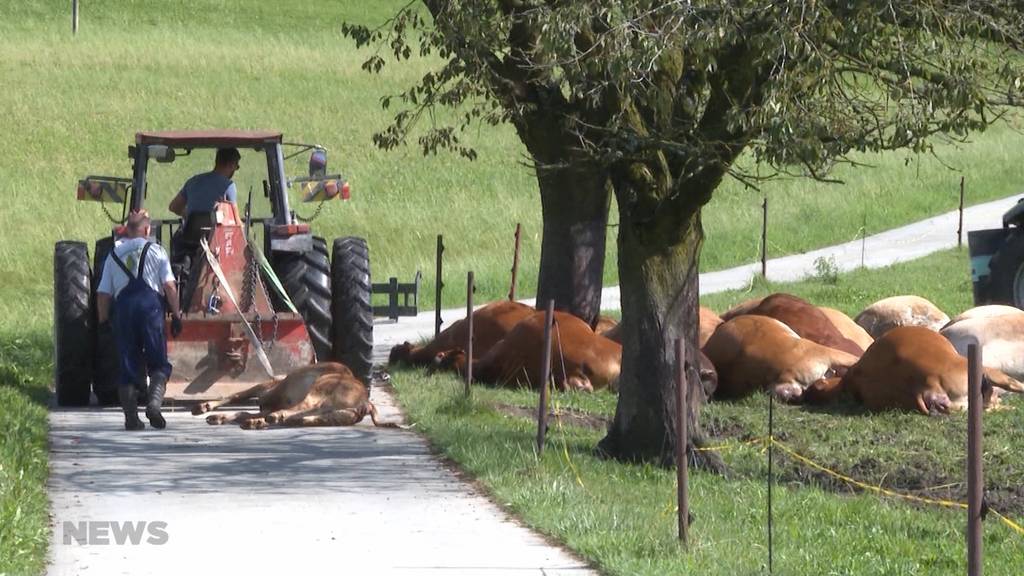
72 105
621 517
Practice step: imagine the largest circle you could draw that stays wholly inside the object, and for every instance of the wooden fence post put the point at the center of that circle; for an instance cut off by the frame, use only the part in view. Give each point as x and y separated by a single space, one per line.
682 438
74 16
975 487
469 324
764 238
515 266
438 284
545 375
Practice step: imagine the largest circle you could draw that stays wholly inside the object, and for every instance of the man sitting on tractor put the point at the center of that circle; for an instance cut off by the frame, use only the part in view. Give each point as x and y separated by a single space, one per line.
202 191
136 278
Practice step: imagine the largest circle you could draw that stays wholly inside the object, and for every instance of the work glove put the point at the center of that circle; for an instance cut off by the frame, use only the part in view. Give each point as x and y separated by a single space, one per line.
175 326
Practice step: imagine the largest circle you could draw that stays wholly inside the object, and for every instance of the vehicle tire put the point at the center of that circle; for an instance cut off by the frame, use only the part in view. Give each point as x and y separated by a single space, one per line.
72 323
350 306
106 367
306 276
1006 273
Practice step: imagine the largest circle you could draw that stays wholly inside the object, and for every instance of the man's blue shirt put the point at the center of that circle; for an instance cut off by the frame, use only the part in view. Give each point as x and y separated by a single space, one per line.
202 191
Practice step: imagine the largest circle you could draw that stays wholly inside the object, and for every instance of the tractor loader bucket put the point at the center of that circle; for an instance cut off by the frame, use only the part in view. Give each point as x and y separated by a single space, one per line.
212 357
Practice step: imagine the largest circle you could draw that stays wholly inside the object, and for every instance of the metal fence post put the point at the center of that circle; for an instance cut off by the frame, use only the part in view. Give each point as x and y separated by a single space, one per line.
438 285
682 439
74 16
515 265
975 488
960 228
771 476
545 375
469 323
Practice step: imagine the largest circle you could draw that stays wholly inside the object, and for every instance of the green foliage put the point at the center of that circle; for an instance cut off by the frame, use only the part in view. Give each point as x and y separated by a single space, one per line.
826 270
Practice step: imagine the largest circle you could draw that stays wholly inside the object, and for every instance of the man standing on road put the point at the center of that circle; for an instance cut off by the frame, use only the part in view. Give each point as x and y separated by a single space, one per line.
202 191
136 279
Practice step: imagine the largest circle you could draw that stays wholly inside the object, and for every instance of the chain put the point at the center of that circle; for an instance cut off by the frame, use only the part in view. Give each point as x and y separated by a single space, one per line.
273 337
249 281
109 215
316 212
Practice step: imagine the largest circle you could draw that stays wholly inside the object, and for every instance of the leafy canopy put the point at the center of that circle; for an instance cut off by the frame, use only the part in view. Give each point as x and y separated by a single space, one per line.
802 84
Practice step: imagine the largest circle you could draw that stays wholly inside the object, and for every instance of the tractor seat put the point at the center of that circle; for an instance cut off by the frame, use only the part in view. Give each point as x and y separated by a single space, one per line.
197 226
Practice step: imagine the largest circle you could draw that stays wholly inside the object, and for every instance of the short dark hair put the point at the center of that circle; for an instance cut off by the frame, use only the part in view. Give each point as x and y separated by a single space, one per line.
227 156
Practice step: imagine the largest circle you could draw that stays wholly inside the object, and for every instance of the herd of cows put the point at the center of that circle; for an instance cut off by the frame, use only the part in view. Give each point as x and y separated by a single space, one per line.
899 353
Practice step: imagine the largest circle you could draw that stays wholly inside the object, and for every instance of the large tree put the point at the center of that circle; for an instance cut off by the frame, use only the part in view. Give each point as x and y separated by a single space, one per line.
656 101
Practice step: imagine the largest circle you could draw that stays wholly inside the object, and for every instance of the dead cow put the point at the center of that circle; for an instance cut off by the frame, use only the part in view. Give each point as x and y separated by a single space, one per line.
1001 336
847 327
896 311
326 394
986 311
491 323
916 368
806 320
580 359
753 352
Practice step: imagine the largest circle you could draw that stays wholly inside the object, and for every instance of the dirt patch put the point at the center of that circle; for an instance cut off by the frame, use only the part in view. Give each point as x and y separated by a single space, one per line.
566 416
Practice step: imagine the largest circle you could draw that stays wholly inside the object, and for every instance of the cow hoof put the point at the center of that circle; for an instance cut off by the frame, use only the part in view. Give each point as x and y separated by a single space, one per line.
201 408
274 419
216 419
254 424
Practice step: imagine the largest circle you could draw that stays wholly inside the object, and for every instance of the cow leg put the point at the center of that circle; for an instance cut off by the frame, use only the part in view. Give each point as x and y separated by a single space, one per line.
340 417
279 416
257 390
235 418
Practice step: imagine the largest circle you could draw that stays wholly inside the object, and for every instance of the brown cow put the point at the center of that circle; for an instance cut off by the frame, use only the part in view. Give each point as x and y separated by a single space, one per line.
325 394
753 352
491 323
806 320
916 368
889 313
580 359
740 309
847 327
605 325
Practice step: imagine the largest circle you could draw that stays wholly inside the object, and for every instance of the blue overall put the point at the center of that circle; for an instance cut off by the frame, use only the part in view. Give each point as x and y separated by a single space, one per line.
138 322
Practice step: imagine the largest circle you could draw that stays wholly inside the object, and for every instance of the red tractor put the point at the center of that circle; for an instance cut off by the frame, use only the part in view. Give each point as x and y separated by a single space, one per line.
260 295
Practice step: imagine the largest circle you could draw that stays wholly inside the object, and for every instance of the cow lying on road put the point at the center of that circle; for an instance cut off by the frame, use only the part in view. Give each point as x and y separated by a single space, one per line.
491 323
580 359
326 394
753 352
916 368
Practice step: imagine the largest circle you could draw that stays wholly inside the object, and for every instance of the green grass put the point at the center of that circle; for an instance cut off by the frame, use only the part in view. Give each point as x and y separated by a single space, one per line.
72 105
620 516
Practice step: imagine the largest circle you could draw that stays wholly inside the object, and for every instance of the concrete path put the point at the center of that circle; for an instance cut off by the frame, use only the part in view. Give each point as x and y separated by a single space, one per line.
354 500
348 501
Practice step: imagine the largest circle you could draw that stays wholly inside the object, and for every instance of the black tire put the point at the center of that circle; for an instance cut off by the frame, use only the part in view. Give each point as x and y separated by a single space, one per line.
306 276
350 306
72 323
106 367
1006 273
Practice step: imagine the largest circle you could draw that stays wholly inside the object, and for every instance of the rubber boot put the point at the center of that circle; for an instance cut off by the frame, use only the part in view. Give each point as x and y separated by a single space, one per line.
127 395
157 387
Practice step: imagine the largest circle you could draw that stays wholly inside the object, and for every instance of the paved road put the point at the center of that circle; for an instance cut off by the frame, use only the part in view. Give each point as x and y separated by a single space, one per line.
354 500
348 501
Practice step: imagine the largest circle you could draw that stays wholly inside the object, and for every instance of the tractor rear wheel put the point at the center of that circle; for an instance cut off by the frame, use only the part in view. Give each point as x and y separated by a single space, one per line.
350 306
106 368
72 323
1006 273
306 276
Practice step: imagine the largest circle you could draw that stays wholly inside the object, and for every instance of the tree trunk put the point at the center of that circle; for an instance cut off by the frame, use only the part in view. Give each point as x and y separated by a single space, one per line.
658 277
575 197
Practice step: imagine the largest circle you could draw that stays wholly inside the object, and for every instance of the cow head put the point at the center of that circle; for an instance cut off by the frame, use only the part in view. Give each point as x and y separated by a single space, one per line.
400 353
